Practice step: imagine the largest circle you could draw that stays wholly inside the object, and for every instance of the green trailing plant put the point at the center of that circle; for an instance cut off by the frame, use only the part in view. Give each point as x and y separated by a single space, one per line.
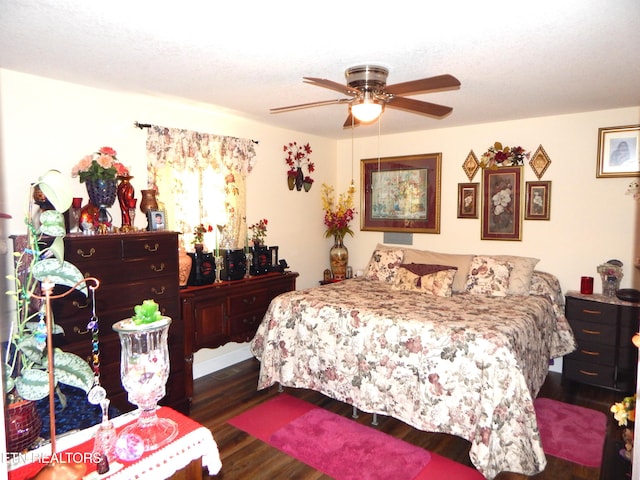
42 260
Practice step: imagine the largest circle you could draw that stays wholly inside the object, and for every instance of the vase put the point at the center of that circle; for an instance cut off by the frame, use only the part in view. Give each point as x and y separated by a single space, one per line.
610 285
144 370
102 193
291 181
148 201
307 186
125 192
184 267
23 425
339 258
299 179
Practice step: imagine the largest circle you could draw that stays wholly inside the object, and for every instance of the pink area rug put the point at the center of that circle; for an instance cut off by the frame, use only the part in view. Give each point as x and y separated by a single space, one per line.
570 432
341 447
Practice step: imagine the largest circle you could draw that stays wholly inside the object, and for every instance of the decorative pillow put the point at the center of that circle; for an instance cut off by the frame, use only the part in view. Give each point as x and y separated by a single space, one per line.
384 264
461 261
488 276
520 278
429 279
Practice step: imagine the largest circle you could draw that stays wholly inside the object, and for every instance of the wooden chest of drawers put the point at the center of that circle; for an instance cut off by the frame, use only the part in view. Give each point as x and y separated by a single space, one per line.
603 328
131 268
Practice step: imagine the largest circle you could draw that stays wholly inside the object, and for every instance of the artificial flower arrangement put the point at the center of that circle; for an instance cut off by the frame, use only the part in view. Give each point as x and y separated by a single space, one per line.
338 214
625 412
259 231
199 231
297 157
502 156
101 165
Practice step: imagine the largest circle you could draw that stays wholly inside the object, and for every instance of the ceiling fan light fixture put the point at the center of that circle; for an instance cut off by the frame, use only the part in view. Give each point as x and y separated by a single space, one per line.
368 109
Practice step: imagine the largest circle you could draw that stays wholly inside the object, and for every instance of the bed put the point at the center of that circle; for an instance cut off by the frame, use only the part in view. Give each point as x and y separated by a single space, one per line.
464 354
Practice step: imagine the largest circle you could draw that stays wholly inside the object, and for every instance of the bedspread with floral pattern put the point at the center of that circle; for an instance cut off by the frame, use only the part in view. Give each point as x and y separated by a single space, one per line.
466 365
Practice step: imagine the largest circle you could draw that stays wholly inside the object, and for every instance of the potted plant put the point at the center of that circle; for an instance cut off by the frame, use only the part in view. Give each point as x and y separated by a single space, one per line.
42 259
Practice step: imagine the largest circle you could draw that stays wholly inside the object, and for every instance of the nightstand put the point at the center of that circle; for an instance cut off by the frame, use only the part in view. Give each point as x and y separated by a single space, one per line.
603 328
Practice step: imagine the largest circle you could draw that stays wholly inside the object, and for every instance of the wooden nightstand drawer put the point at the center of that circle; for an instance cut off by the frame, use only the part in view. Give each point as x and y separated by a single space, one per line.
595 353
603 333
592 312
590 373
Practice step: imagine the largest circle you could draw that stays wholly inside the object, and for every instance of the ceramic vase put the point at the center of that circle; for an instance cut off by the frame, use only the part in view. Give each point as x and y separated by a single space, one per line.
125 193
339 258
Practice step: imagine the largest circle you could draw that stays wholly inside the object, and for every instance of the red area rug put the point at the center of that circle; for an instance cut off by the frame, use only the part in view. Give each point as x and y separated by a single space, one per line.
341 447
570 432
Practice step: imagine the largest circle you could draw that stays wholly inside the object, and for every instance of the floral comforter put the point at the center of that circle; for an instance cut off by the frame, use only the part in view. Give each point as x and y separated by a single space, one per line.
465 365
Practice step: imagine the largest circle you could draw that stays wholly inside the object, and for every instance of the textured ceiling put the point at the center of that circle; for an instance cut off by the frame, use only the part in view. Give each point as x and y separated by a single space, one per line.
514 59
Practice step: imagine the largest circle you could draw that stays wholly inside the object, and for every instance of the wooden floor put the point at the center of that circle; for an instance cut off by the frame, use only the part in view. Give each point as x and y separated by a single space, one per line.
224 394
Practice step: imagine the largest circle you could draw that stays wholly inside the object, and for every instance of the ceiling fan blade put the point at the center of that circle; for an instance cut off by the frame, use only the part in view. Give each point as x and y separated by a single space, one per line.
307 105
338 87
424 85
418 106
351 118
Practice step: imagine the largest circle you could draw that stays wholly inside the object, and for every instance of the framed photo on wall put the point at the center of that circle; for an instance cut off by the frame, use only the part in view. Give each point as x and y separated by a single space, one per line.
401 194
468 200
501 203
538 200
157 220
619 151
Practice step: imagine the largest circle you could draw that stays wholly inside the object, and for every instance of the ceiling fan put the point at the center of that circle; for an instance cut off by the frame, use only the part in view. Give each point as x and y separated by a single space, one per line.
368 94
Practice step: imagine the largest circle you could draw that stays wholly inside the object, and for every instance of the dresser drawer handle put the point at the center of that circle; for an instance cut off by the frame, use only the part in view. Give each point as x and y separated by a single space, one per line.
86 255
157 269
249 321
149 248
593 354
79 331
592 312
591 374
155 291
249 301
77 304
591 332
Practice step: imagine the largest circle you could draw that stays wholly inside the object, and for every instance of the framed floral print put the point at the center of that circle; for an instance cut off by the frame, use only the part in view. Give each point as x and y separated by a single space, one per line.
538 200
468 200
619 151
501 203
401 194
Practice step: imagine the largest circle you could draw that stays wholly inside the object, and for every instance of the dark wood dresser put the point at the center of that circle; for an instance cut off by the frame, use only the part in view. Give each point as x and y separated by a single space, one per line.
131 268
603 328
224 312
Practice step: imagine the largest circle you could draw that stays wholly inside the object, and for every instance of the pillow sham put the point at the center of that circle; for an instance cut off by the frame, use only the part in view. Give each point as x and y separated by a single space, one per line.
488 276
384 264
461 261
428 279
520 278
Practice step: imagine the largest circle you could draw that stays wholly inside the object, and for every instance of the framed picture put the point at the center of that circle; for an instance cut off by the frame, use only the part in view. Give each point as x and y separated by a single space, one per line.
619 151
468 200
501 203
401 194
157 219
538 200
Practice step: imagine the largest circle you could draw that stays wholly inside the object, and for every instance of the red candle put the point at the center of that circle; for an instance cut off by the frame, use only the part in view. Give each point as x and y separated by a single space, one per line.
586 285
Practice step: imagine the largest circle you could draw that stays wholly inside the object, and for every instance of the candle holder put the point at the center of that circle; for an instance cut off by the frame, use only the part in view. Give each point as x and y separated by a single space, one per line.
248 264
218 261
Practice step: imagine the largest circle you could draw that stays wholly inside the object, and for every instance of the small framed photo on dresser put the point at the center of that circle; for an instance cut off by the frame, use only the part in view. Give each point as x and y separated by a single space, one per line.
157 220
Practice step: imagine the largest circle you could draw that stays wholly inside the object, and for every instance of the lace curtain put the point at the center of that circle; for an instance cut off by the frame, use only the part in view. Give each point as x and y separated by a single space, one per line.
201 178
